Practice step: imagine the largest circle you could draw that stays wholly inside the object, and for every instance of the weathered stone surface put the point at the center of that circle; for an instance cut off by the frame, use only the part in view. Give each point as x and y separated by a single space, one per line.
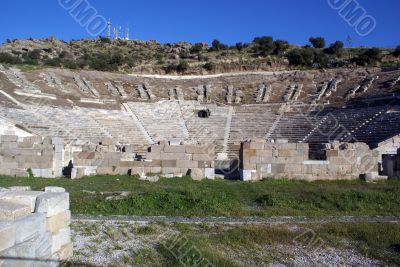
59 221
63 237
197 174
26 198
29 226
10 211
52 203
66 251
7 235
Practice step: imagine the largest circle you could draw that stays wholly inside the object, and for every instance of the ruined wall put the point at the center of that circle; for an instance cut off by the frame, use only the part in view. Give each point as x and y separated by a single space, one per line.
261 159
43 156
34 227
165 158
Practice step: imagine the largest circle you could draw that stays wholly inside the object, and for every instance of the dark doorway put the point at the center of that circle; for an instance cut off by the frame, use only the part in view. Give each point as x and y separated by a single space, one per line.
389 165
205 113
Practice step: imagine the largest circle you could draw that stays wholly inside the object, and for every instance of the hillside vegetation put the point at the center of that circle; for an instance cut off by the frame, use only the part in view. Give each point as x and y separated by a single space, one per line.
263 53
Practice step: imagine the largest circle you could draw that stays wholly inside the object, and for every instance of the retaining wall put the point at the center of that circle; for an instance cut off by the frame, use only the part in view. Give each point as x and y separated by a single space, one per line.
261 159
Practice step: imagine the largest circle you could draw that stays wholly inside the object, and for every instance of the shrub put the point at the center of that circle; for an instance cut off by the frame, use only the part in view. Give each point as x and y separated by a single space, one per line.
317 42
196 48
9 59
370 56
217 45
239 46
396 52
182 66
335 48
280 46
105 40
264 45
209 66
53 62
34 54
301 56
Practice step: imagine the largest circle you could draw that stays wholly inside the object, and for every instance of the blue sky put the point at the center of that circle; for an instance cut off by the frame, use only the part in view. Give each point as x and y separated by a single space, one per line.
196 21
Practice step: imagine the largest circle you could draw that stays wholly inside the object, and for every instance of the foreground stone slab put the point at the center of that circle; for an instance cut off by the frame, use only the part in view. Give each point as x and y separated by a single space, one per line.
54 189
30 226
11 211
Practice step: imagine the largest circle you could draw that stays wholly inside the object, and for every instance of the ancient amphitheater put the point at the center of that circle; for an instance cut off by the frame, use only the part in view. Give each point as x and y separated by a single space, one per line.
299 124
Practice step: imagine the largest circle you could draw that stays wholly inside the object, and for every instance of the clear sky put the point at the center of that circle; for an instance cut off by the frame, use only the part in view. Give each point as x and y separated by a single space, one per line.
229 21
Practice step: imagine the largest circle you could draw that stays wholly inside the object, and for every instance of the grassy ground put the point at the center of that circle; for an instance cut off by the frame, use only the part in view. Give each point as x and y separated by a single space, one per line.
185 197
161 244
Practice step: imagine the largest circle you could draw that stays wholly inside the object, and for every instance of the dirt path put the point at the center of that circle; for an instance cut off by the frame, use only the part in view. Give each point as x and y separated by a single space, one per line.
239 220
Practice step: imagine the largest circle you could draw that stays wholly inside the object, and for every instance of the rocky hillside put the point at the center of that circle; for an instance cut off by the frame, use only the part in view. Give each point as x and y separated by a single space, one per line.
263 54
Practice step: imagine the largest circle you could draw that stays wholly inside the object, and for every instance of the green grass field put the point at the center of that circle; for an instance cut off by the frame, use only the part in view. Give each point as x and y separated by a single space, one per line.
185 197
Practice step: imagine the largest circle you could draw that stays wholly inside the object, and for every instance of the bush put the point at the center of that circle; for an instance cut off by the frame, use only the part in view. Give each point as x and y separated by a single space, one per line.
53 62
103 62
335 48
34 54
370 56
105 40
396 52
9 59
264 45
301 57
280 46
196 48
209 66
182 66
217 45
317 42
239 46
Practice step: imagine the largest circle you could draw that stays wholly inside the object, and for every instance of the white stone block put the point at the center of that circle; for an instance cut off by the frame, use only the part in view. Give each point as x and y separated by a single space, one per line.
59 221
54 189
20 188
52 203
246 175
10 211
27 198
209 173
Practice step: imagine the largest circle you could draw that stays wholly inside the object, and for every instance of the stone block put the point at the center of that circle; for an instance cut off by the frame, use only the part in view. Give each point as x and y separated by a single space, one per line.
264 153
59 221
45 173
19 188
205 164
57 141
202 157
197 174
192 149
26 198
7 235
246 175
107 141
169 163
247 153
174 171
257 145
54 189
10 211
107 170
30 226
63 237
278 168
155 170
175 156
175 149
52 203
33 139
187 164
8 138
209 173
